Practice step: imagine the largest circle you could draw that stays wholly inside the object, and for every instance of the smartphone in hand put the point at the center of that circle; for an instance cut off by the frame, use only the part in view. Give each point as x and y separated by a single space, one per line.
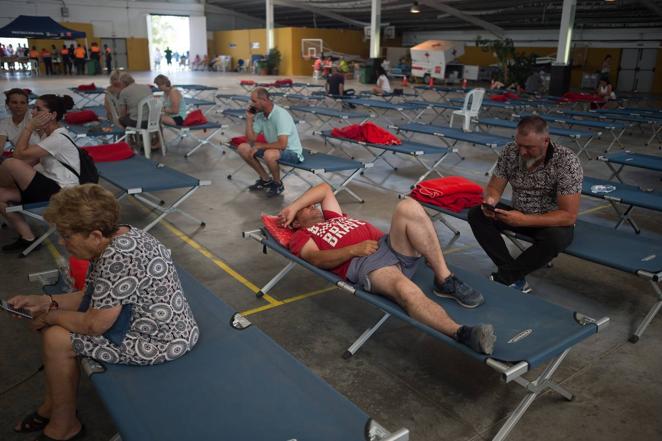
252 110
488 207
21 312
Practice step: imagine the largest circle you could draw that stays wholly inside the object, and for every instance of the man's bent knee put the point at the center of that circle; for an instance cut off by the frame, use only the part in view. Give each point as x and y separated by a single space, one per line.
409 207
271 156
558 238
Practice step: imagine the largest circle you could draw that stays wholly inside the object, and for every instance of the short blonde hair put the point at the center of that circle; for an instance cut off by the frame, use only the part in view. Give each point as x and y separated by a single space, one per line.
126 78
84 209
115 76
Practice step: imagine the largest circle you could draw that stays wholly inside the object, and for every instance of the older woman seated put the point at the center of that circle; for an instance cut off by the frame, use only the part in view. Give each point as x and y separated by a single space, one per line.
132 310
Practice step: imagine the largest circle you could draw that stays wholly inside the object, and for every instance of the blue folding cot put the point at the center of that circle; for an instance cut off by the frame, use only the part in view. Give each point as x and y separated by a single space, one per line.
196 90
617 193
655 122
575 135
88 97
325 115
511 106
137 177
616 129
209 128
408 148
215 391
530 331
631 159
450 137
441 91
233 99
604 246
320 164
197 103
439 108
410 111
90 133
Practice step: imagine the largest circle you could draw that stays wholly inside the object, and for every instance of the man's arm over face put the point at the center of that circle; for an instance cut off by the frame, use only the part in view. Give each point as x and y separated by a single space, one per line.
319 194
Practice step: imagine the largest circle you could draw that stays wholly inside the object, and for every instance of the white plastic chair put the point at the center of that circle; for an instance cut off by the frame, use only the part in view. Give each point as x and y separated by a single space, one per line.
114 105
470 109
152 105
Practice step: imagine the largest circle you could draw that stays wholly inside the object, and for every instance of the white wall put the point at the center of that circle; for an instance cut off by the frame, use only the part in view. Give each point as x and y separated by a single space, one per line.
110 18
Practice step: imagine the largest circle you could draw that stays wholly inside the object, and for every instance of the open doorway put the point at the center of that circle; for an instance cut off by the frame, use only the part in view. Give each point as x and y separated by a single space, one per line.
169 42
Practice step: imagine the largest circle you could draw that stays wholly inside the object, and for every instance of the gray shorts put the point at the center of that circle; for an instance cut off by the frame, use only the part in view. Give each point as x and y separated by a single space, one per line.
361 267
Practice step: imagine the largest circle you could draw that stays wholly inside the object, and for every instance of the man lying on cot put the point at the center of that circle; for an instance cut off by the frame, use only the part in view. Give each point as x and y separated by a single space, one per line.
277 125
546 179
132 310
384 263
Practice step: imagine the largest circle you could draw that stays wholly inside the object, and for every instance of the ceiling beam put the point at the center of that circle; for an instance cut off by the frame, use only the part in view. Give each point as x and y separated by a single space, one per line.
317 11
652 6
496 30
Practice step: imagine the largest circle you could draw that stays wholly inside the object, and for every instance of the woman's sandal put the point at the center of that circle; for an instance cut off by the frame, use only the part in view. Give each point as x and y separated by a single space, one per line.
33 423
76 437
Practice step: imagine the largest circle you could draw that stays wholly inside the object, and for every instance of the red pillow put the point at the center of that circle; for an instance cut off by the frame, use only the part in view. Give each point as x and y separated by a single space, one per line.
195 118
285 82
90 86
80 117
110 152
246 82
239 139
281 234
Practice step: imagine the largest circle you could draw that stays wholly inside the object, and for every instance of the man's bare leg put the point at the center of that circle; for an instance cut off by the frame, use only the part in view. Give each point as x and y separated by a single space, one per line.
413 234
247 153
271 157
390 282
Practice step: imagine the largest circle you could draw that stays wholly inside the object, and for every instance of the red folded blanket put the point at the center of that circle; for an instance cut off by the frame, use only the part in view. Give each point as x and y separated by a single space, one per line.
195 118
246 82
506 96
452 192
285 82
239 139
366 132
90 86
110 152
80 117
573 97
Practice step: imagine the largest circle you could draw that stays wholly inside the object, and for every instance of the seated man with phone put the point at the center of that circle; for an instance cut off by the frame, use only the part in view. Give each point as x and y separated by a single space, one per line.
546 180
280 131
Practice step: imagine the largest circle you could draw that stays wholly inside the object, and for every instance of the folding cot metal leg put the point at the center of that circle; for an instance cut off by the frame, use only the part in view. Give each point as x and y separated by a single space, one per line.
440 217
203 141
171 209
38 241
651 314
624 216
583 148
364 337
277 278
534 388
615 173
656 132
617 139
116 437
343 186
430 169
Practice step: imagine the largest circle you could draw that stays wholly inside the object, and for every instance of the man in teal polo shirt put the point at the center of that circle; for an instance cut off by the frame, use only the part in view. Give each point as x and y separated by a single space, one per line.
278 128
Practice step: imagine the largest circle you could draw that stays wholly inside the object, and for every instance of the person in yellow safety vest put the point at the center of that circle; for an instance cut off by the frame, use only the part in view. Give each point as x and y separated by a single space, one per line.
66 60
79 56
95 55
46 57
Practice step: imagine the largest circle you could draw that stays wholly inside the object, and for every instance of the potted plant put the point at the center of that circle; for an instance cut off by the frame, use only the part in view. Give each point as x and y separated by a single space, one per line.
273 61
262 67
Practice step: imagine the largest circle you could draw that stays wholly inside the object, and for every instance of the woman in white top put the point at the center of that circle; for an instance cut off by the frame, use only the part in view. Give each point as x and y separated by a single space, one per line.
36 171
10 128
111 99
383 86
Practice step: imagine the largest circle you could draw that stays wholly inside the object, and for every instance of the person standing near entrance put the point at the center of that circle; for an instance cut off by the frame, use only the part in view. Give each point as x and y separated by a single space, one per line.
168 56
109 58
157 59
47 58
66 60
79 57
95 55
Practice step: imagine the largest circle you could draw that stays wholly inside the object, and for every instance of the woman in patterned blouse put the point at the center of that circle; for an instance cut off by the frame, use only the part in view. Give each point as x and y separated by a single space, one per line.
132 310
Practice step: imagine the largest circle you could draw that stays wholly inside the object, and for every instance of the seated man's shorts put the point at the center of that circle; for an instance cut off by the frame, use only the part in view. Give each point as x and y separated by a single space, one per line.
40 189
285 155
361 267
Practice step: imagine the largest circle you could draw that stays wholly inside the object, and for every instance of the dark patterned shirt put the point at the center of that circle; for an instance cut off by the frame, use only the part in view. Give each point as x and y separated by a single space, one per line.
536 191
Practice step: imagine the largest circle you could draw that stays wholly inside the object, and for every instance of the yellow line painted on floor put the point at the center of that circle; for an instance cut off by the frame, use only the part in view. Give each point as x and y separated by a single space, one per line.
286 301
594 209
217 261
456 249
54 252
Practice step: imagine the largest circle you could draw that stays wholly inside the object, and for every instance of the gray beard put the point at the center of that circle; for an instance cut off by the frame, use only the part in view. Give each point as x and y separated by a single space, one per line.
528 163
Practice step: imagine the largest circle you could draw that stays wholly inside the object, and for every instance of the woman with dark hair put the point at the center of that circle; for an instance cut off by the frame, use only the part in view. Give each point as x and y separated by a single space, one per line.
383 85
38 170
16 101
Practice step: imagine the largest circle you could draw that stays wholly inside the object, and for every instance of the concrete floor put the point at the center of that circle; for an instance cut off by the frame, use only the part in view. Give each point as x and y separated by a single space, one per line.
401 377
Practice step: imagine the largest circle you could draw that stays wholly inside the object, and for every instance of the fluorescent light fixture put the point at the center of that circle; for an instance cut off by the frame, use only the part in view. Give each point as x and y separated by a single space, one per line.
414 8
